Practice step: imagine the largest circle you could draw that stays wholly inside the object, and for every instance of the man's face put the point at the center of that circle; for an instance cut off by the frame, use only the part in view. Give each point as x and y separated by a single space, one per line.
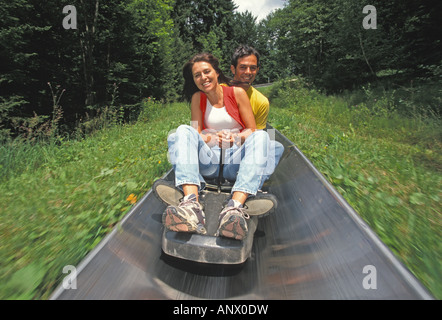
245 71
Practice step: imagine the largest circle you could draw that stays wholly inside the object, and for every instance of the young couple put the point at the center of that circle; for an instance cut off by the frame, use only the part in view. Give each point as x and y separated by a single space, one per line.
227 120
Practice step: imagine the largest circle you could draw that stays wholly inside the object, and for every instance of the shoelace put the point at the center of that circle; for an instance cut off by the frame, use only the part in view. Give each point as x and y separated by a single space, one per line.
244 214
186 202
196 206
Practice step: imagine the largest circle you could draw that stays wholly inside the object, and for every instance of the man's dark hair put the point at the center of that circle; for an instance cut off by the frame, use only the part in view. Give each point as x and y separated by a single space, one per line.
243 51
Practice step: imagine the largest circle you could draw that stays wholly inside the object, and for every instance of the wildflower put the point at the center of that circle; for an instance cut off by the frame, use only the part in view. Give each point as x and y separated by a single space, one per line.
132 198
159 162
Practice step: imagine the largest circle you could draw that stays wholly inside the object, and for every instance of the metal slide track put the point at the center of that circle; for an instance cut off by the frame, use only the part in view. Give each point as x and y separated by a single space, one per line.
315 246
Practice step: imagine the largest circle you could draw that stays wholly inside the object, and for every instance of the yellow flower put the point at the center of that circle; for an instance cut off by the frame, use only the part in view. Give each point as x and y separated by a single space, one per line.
132 198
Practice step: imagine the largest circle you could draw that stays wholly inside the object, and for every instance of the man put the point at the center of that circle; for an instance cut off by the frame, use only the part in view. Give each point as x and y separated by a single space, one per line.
245 67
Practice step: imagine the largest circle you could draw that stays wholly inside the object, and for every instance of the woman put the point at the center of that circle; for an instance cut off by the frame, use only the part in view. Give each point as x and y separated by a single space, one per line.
222 118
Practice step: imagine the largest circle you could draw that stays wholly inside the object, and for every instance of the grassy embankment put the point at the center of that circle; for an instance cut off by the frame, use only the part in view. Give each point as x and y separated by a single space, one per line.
59 199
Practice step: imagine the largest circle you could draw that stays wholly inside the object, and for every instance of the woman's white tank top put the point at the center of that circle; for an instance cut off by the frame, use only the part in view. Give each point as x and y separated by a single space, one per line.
218 119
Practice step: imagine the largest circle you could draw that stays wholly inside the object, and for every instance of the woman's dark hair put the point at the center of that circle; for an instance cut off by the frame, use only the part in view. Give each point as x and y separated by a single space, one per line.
243 51
189 84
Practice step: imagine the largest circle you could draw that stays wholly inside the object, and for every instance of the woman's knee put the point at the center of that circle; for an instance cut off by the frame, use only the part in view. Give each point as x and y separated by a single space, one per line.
185 129
178 132
184 133
259 138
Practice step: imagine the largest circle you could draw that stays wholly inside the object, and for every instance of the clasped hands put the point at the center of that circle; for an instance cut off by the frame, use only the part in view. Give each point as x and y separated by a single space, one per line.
224 139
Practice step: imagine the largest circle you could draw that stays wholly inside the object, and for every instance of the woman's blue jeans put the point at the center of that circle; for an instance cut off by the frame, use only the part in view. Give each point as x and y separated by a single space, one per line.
248 165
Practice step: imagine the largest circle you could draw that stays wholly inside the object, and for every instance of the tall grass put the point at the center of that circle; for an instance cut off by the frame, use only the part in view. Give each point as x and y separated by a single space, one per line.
383 154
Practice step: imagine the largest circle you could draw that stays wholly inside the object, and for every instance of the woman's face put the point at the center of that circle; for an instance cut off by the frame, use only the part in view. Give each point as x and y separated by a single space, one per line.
205 76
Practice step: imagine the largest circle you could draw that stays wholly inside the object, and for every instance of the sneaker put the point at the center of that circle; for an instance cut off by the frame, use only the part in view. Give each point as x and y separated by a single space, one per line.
260 205
167 192
233 222
188 216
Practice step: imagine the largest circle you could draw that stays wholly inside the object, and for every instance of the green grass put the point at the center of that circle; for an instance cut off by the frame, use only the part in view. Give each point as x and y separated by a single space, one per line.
60 198
386 165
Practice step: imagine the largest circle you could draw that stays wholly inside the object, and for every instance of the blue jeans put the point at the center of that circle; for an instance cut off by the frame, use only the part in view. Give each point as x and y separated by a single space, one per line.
248 165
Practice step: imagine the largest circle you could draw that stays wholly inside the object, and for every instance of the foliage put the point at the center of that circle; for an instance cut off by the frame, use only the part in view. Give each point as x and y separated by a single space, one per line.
325 41
126 50
121 52
112 59
214 26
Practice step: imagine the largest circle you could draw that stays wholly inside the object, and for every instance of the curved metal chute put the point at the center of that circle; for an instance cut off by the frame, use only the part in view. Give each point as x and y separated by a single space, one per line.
315 246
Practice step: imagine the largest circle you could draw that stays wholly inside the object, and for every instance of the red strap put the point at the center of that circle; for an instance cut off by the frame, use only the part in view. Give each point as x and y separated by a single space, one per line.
232 105
203 105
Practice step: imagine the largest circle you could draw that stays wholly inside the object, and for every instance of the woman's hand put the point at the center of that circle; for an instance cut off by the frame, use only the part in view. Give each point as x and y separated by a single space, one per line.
227 138
210 138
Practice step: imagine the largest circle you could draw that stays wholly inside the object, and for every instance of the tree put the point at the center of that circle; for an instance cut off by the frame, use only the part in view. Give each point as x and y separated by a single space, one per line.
20 66
121 51
245 29
206 25
154 37
325 41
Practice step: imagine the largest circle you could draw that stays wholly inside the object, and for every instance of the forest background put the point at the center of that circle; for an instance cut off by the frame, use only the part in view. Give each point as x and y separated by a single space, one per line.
123 51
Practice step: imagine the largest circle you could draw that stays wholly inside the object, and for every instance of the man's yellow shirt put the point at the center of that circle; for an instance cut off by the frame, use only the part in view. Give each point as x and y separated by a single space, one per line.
260 107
